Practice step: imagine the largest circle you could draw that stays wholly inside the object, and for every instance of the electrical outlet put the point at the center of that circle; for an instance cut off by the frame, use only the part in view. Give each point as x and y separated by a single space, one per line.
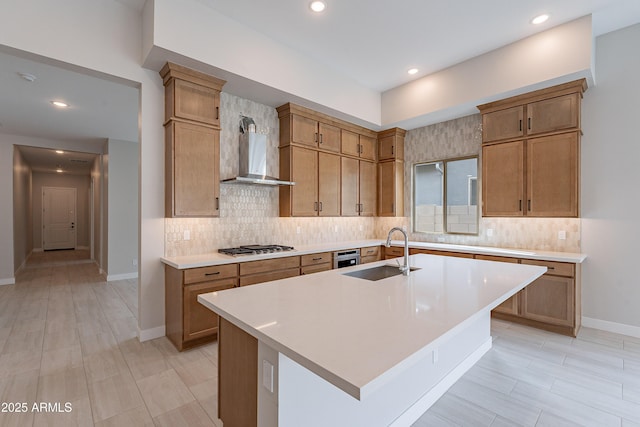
489 232
186 235
298 229
440 239
134 262
335 228
360 227
562 235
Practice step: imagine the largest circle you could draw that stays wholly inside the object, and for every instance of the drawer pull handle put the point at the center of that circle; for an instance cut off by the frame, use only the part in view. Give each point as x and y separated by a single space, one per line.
212 274
550 268
520 125
316 259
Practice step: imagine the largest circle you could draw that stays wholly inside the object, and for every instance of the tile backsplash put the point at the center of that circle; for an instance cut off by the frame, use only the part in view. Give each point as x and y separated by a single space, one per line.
249 214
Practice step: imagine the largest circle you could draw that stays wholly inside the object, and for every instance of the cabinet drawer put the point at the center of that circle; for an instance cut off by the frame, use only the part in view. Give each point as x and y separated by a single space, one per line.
215 272
267 277
554 268
309 269
313 259
269 265
393 251
497 258
370 251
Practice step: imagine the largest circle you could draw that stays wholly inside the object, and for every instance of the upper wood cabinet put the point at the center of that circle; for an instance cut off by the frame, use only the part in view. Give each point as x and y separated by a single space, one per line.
503 124
192 168
314 133
358 187
356 145
192 142
191 95
391 188
317 178
530 153
391 144
333 165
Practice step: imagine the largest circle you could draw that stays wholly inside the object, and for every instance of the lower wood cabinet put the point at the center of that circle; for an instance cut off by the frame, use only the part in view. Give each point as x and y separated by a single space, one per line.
370 254
551 302
393 252
441 253
511 305
315 263
189 323
266 270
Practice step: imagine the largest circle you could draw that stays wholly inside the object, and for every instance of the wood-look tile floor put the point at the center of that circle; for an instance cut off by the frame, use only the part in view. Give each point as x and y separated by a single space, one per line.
66 335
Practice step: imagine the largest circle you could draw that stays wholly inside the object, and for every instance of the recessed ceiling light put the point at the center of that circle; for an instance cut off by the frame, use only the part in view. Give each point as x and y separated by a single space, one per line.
539 19
60 104
412 71
59 151
317 6
59 170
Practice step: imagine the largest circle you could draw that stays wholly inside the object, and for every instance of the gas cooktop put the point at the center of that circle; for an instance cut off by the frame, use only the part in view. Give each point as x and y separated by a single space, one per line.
255 250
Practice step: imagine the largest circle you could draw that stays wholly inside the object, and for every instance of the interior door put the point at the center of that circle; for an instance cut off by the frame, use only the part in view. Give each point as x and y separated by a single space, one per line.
58 218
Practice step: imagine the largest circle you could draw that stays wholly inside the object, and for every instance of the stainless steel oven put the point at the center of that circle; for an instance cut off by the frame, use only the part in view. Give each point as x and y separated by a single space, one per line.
346 258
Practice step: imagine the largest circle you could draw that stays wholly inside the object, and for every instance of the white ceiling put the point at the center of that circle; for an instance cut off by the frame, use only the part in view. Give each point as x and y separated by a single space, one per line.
373 42
47 160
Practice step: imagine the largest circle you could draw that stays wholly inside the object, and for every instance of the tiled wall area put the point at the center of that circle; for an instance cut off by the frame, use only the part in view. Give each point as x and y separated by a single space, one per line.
463 137
249 214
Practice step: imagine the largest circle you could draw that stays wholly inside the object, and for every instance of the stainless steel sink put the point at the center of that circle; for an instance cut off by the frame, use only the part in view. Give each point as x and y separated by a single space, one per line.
378 273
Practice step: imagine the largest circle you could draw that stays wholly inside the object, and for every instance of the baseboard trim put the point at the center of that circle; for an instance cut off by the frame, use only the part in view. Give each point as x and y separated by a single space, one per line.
8 281
412 414
37 250
82 248
124 276
617 328
151 334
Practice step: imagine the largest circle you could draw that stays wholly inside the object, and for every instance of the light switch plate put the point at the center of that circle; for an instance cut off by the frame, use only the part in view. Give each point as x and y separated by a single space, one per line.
267 375
562 235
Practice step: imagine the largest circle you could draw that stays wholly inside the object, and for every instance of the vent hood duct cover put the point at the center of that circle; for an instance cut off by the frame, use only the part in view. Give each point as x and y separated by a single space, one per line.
253 162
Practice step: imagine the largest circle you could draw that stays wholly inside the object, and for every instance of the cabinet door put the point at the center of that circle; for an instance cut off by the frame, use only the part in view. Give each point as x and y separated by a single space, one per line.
549 299
367 147
554 114
393 252
328 184
510 306
304 131
387 149
503 124
552 184
199 321
304 171
329 138
350 143
368 191
390 188
350 186
193 177
503 179
193 102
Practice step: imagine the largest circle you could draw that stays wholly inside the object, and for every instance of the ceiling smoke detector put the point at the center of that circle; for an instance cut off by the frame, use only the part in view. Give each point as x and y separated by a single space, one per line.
28 77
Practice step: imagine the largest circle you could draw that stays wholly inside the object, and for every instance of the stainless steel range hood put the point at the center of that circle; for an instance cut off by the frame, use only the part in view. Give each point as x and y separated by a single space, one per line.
253 162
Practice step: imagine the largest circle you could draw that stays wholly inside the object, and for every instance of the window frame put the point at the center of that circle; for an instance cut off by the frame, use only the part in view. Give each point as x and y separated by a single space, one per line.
445 228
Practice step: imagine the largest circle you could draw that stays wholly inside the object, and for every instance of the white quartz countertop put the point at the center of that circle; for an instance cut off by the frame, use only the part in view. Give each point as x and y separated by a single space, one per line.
359 334
205 260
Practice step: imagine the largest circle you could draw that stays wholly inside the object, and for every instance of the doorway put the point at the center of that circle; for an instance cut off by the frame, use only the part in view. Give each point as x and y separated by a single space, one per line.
59 218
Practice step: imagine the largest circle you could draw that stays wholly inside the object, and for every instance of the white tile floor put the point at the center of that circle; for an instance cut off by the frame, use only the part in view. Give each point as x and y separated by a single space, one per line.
66 335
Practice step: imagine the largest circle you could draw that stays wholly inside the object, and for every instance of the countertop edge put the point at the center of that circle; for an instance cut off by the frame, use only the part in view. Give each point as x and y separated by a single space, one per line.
210 259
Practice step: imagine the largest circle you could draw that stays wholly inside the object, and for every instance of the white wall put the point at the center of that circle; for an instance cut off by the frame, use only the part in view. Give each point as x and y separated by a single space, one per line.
558 55
22 214
610 178
103 36
122 208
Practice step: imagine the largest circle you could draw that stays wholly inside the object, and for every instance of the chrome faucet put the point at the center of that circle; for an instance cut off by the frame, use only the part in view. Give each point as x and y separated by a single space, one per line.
404 268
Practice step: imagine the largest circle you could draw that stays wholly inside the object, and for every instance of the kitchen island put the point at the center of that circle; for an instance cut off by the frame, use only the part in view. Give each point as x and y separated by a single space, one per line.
332 349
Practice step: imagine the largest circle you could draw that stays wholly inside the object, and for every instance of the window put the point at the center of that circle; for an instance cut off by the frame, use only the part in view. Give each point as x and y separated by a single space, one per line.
445 196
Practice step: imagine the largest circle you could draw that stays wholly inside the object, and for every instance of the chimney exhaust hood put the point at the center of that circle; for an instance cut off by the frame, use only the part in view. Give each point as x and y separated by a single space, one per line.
253 162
